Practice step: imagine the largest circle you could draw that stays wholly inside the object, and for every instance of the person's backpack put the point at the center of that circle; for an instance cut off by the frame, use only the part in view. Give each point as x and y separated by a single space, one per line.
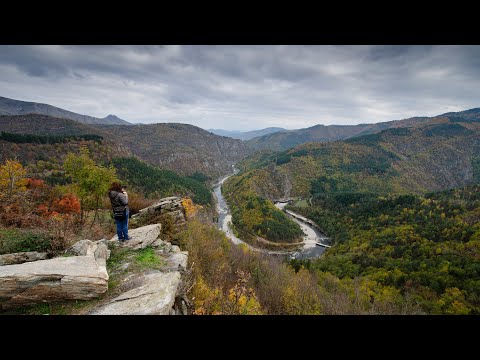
120 213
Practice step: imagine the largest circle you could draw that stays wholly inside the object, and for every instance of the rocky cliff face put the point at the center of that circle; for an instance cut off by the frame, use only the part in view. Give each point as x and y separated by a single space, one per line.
126 285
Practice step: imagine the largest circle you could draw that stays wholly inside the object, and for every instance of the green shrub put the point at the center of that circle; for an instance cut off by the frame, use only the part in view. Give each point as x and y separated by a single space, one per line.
15 240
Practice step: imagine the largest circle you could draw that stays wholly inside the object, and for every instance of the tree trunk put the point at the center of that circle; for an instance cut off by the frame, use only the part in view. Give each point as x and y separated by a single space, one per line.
81 210
96 210
10 186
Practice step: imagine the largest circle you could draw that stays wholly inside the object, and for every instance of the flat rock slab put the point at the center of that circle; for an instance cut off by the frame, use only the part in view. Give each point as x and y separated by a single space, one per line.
22 257
76 277
154 295
141 237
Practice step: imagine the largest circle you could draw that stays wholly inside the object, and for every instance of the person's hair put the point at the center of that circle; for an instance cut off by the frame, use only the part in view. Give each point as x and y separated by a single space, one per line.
115 187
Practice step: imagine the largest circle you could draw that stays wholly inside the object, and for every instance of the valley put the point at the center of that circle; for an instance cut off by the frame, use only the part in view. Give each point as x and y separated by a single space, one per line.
389 211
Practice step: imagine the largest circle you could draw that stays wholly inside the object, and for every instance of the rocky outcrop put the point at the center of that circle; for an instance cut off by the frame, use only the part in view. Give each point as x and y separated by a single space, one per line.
22 257
76 277
178 261
152 294
178 217
141 237
168 204
149 292
164 246
98 249
82 275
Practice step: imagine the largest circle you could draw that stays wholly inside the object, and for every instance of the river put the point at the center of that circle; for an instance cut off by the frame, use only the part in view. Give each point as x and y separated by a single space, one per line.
311 234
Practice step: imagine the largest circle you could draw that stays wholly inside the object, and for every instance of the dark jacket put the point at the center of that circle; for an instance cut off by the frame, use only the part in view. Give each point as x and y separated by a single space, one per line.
119 200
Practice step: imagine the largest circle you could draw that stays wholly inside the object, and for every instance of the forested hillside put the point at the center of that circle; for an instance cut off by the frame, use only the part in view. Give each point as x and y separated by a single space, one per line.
254 216
417 159
430 157
44 156
427 247
183 148
45 160
157 183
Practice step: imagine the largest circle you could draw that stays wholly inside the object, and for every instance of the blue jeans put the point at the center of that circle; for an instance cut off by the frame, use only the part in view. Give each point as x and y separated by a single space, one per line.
122 228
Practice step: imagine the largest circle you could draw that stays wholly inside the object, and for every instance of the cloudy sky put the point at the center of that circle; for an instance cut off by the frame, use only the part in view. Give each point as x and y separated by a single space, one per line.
245 87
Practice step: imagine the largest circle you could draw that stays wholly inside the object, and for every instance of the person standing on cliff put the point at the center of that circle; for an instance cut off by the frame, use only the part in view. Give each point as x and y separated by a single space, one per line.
119 199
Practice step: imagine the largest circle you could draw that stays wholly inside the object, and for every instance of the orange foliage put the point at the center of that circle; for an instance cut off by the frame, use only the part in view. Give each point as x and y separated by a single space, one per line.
33 184
38 189
68 205
42 210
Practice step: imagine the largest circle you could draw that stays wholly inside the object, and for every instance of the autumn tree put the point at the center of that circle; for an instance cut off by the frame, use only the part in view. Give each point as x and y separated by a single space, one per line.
90 181
12 178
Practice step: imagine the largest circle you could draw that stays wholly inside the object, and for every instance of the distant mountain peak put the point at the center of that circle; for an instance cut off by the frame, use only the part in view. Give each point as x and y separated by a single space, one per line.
112 117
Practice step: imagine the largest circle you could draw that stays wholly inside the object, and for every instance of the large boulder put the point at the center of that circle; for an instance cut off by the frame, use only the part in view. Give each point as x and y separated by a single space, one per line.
98 249
154 294
81 248
22 257
75 277
142 236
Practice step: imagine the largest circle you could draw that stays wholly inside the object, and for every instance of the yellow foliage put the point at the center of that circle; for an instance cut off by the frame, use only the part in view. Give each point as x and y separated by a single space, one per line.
242 300
190 208
452 302
299 295
207 301
244 248
12 178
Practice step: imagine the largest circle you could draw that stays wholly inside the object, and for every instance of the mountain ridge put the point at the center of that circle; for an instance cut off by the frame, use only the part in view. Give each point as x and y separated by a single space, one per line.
436 156
284 140
182 148
10 106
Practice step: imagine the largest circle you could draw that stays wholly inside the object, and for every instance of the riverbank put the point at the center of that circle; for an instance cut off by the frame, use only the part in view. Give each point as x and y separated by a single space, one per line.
312 236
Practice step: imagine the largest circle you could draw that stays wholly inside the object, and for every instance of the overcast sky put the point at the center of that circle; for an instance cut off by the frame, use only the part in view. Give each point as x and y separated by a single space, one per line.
245 87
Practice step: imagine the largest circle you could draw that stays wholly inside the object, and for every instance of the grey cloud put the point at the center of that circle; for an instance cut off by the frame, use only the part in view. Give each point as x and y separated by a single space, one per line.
245 87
